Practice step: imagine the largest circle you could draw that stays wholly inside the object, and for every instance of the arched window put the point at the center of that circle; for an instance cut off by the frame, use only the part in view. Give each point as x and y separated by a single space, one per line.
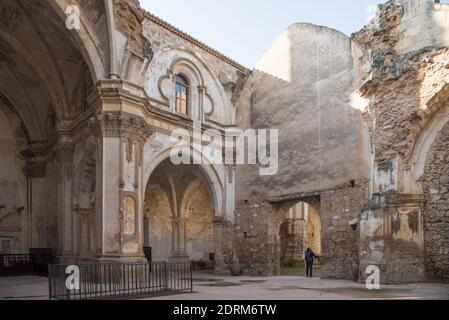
182 94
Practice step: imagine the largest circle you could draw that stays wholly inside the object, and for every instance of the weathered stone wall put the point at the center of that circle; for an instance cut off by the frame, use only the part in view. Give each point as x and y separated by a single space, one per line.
257 237
436 218
340 252
423 23
199 226
159 214
400 85
13 184
292 240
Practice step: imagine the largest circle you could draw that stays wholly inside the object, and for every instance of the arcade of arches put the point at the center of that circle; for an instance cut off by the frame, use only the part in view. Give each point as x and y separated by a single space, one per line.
86 118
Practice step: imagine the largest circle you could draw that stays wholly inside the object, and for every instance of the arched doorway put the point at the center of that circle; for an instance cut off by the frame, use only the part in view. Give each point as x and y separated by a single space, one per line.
301 229
179 215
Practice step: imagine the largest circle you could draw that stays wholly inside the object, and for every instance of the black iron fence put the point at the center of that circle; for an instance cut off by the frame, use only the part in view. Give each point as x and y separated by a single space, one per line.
119 281
16 264
34 263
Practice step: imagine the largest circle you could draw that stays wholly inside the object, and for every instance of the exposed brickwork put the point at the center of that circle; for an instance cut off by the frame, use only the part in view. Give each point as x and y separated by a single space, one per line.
340 240
436 219
257 238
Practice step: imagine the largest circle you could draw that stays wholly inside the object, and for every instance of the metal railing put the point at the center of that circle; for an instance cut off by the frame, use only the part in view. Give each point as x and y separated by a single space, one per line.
16 264
121 280
34 263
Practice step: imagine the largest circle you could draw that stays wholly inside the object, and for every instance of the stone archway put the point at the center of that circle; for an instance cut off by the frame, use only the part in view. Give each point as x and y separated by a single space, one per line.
180 215
300 229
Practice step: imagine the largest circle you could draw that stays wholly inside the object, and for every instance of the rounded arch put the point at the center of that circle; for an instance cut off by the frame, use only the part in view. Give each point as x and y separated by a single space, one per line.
84 40
422 148
299 229
208 169
211 93
188 69
4 100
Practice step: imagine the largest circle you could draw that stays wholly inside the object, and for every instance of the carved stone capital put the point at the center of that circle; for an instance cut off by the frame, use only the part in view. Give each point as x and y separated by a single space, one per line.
84 214
64 153
128 126
230 172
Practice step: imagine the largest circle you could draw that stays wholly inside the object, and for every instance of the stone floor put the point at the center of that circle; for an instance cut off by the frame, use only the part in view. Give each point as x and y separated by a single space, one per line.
210 287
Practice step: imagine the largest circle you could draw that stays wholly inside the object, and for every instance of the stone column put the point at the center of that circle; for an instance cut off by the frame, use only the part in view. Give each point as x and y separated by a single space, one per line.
179 248
391 237
63 153
35 171
221 266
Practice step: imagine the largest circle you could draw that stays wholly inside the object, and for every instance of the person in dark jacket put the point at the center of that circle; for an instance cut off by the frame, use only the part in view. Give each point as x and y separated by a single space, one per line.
309 257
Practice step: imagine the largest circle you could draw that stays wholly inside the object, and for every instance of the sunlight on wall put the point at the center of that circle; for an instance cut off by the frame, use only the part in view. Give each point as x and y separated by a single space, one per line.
277 61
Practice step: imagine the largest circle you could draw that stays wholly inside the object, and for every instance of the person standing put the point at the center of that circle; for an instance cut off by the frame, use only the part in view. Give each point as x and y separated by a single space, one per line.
309 257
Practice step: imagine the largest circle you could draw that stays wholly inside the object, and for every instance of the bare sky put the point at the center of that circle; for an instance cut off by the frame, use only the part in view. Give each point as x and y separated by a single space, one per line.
245 29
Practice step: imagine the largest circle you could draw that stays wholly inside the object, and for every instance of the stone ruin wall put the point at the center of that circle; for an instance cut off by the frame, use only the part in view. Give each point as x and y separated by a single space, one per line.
401 84
407 44
436 219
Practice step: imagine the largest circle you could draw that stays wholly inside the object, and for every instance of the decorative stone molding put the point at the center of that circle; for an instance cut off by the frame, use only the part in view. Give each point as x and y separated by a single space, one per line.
393 199
84 214
231 171
64 152
128 126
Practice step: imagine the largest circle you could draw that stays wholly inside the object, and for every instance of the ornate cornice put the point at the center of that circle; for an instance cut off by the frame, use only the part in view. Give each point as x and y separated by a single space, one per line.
395 200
